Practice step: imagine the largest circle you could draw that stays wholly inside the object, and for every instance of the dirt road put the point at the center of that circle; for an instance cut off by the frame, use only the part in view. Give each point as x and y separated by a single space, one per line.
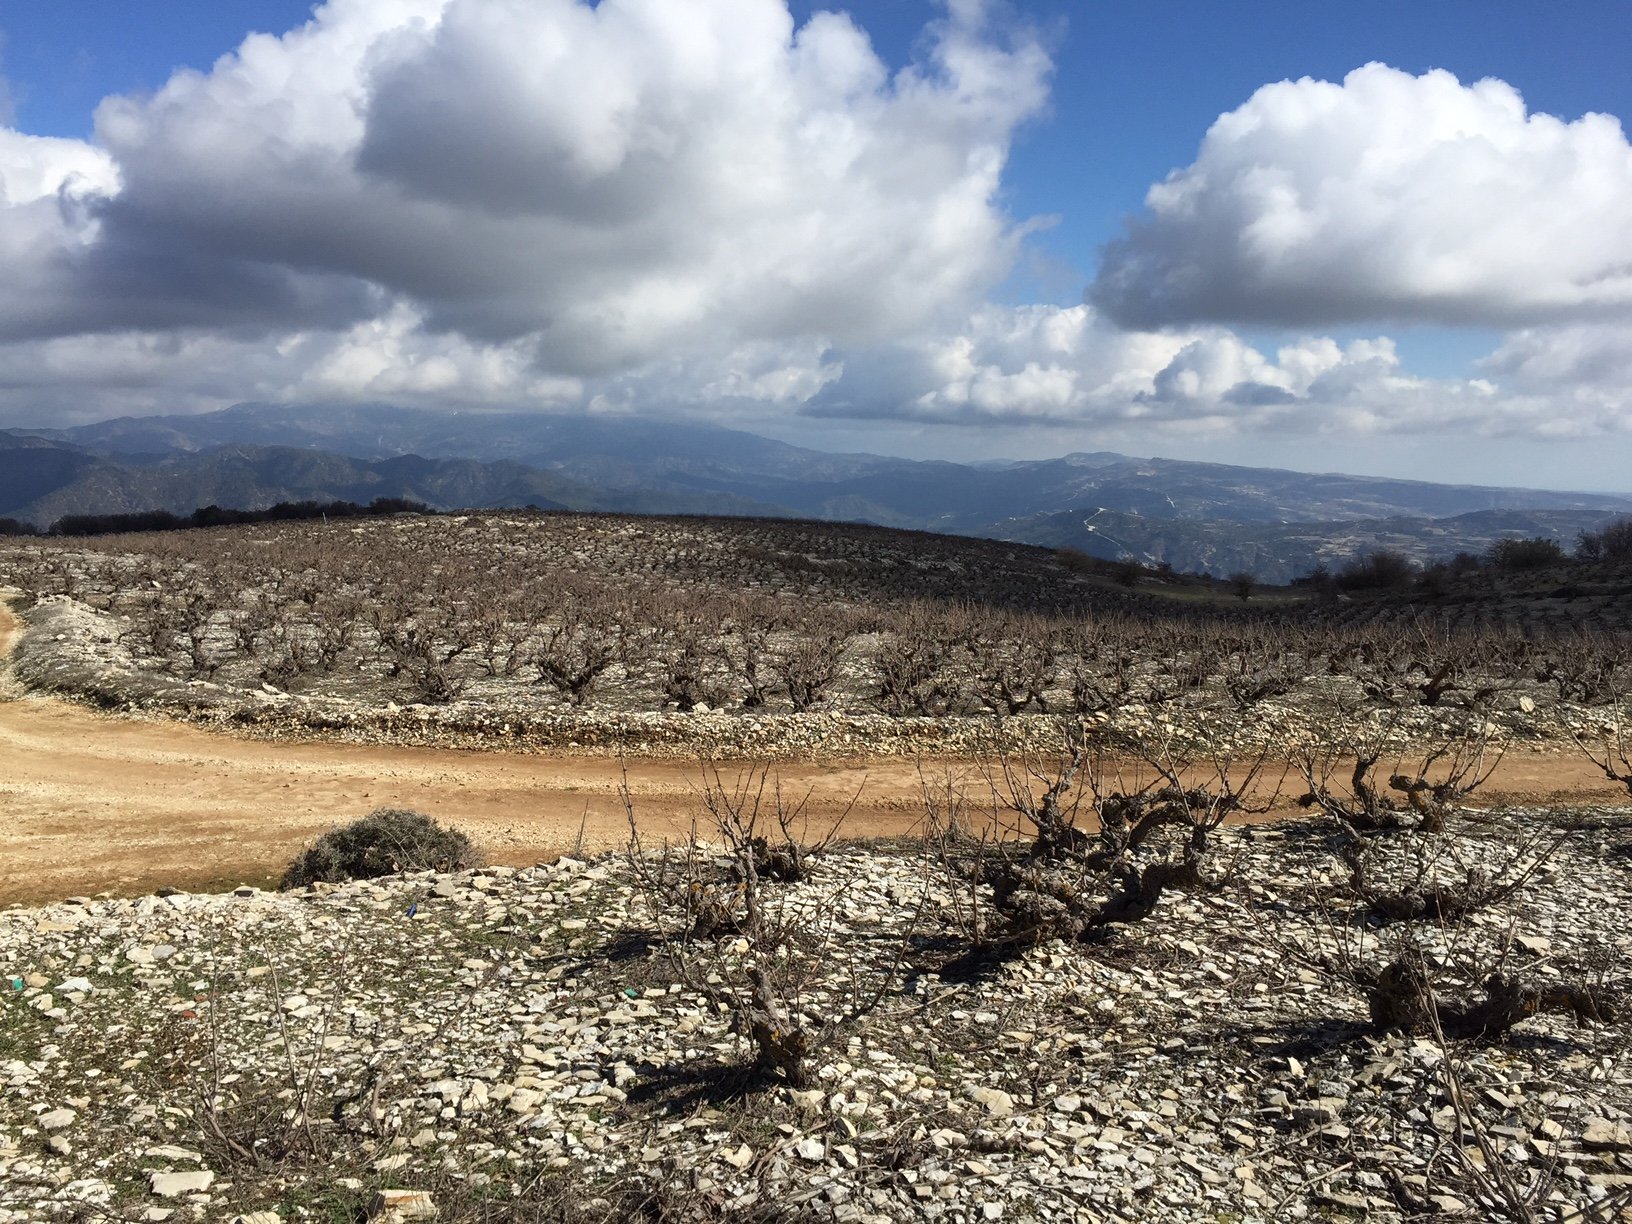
91 802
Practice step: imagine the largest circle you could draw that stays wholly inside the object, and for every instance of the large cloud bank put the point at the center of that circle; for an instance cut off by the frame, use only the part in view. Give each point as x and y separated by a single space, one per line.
700 206
1052 366
612 182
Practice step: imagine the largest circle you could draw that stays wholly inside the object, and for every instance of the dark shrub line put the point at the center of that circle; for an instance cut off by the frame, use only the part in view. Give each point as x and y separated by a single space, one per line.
215 516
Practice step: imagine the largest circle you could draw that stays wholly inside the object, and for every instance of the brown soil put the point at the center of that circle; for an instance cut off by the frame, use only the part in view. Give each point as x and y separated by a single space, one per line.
91 802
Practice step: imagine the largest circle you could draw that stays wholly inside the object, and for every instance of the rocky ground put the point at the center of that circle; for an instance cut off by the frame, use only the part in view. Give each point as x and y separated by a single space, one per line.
528 1045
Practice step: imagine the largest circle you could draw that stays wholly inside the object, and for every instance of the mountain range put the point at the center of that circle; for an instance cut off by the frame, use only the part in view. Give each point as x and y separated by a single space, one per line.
1209 517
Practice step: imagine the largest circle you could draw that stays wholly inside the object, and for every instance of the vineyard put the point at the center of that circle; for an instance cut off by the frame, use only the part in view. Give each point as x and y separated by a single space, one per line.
564 613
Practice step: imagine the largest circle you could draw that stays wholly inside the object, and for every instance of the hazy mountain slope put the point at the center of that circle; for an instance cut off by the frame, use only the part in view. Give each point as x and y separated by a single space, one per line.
31 468
1200 516
619 445
709 462
1279 552
254 476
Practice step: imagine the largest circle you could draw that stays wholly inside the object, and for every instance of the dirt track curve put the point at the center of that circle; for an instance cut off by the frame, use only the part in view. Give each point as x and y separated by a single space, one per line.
91 802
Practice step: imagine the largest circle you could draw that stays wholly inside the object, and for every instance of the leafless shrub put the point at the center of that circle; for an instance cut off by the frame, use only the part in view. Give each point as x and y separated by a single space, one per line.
289 653
1585 665
195 616
423 648
1464 993
744 650
1461 992
1409 878
1429 786
152 630
334 619
250 621
1428 662
1101 666
1610 750
273 1119
916 661
758 947
956 846
499 625
1053 874
1016 663
1259 664
680 645
576 641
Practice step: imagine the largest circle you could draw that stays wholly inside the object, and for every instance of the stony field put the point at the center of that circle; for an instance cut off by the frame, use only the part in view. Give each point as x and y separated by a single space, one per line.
544 1044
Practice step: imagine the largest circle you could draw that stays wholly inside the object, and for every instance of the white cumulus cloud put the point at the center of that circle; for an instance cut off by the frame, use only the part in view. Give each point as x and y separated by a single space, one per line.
1386 197
701 207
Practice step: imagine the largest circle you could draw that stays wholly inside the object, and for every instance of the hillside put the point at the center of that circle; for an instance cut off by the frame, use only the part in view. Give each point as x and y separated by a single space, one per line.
631 452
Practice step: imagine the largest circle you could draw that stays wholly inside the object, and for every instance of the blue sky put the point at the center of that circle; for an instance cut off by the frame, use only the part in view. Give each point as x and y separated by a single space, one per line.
1126 95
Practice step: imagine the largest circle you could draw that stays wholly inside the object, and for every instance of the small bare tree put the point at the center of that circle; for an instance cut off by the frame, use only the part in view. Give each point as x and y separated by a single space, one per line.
809 664
576 640
745 649
916 662
1472 996
195 618
1016 664
1586 665
1410 877
681 644
756 933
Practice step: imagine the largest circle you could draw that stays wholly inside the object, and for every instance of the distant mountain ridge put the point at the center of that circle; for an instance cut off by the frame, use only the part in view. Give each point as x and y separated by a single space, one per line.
40 484
1204 516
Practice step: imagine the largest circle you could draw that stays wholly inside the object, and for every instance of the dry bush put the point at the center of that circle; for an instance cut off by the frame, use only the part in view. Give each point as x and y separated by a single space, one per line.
385 842
1259 663
1408 877
1102 665
1016 663
808 666
1610 750
917 661
577 638
1179 667
1586 665
745 649
681 647
1466 989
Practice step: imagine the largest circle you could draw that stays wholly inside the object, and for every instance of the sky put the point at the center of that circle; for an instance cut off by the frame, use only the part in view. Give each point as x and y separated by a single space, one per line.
1373 237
